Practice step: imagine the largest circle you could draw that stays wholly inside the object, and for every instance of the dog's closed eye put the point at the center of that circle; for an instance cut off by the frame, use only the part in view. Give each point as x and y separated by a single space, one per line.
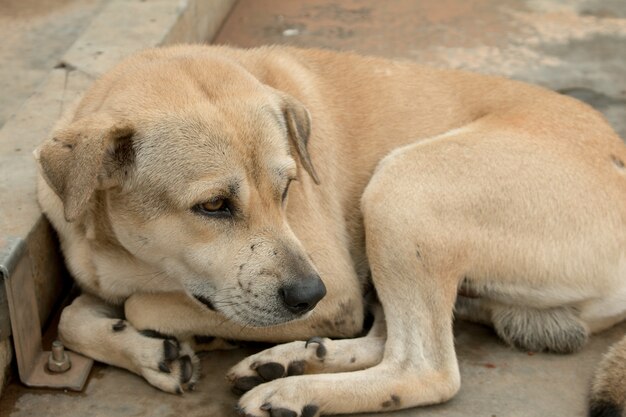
284 196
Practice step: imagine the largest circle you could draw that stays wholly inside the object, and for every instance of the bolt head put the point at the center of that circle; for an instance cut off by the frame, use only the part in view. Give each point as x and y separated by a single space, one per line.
58 366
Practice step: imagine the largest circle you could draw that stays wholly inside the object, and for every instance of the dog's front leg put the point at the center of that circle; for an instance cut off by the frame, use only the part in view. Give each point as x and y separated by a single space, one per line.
418 366
177 313
416 266
95 329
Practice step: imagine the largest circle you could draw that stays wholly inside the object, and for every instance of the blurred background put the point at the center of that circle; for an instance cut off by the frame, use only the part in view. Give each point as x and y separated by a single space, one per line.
574 46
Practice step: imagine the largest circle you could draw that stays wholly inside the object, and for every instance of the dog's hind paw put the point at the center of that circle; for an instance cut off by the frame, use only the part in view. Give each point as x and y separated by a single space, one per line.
167 363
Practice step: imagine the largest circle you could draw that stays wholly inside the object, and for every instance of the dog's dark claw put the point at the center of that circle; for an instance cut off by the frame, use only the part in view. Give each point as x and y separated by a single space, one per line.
245 384
320 352
282 412
309 410
119 326
186 369
296 368
164 368
241 412
266 407
171 349
271 370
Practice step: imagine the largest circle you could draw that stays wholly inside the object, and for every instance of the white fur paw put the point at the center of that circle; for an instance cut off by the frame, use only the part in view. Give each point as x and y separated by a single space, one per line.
167 363
280 398
289 359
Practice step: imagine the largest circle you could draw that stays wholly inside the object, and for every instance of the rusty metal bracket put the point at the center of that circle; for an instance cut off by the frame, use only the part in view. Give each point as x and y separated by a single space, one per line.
16 272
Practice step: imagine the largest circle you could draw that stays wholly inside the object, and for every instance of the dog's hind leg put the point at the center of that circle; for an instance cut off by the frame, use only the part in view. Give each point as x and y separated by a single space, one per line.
558 329
472 309
96 329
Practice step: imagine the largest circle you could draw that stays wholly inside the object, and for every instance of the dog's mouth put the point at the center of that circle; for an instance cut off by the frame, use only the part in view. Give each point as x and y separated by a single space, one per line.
204 300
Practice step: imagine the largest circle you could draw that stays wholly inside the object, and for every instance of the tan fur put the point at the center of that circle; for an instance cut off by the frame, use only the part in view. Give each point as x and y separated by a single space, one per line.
608 391
429 180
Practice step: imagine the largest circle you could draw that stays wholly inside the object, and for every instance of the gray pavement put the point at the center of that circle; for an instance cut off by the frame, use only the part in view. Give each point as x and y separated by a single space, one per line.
34 35
575 46
497 381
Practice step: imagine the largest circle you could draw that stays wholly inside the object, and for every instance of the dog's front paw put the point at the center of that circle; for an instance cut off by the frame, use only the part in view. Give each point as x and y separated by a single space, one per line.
289 359
277 399
167 363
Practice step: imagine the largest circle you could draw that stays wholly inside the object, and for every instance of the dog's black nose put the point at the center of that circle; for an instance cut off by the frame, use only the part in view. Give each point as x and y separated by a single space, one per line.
303 296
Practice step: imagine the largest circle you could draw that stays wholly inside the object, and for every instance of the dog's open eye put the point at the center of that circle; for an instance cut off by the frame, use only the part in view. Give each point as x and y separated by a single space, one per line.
214 207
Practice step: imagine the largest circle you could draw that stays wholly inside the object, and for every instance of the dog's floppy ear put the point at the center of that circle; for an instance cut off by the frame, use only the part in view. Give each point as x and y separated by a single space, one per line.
82 157
299 126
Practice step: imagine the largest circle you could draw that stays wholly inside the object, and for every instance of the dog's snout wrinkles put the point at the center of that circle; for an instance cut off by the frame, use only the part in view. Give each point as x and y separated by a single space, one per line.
303 296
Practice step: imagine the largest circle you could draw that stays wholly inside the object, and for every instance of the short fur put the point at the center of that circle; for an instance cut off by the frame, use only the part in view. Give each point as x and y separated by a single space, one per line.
430 181
608 391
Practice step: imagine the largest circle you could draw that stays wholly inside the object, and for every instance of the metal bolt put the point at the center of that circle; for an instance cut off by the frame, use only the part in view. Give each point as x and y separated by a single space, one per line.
59 361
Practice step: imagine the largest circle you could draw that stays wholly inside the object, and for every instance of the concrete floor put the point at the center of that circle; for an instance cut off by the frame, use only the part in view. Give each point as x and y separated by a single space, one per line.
497 382
35 34
578 47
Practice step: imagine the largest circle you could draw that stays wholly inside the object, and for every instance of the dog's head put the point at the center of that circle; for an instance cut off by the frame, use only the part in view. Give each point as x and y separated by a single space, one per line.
189 163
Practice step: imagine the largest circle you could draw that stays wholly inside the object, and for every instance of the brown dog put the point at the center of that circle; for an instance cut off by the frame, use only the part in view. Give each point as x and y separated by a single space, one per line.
171 181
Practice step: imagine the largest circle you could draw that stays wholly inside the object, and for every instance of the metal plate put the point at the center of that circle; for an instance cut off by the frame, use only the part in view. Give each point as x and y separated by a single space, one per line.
73 379
10 252
5 322
15 268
